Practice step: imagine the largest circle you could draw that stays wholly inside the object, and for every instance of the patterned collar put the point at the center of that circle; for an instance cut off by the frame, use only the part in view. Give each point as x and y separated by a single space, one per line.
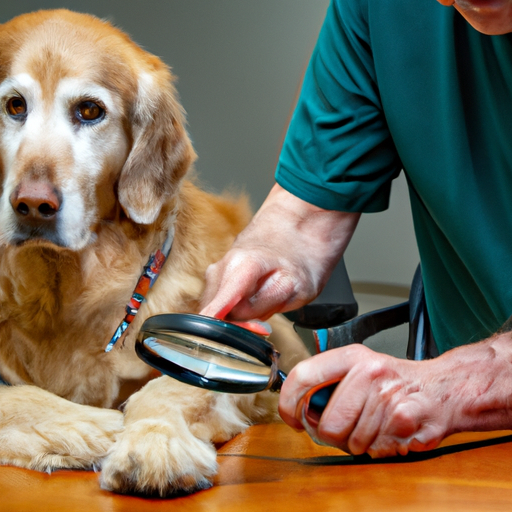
149 275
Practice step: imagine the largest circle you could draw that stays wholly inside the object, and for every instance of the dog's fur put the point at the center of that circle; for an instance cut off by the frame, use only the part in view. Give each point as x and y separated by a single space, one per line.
64 283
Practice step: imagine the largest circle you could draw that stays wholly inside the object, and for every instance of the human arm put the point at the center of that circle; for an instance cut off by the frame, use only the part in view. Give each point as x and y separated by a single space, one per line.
386 406
280 261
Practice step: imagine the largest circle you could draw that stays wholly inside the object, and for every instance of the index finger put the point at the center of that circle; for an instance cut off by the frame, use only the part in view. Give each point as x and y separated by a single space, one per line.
227 284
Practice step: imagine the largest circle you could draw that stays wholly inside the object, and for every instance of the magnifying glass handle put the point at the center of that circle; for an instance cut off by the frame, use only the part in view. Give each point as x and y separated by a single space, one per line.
318 401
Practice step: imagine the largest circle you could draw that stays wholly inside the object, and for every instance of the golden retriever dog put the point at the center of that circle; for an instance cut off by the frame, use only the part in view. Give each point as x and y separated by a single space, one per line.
93 155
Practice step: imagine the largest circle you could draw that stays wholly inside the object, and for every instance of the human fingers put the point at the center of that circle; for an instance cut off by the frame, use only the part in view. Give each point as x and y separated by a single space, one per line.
383 391
299 381
249 285
414 421
352 417
406 430
315 372
276 292
400 414
229 281
370 434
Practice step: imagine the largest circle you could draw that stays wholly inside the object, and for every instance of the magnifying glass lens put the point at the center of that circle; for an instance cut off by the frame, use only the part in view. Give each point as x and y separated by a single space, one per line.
209 359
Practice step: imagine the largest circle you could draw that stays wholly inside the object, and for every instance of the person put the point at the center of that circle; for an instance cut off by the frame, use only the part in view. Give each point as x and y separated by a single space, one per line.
409 85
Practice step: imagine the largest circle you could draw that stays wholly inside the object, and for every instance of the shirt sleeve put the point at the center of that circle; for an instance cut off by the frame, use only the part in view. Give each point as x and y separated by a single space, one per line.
338 153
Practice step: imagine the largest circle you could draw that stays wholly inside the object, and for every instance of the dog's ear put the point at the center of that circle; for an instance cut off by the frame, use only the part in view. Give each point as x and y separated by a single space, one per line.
161 150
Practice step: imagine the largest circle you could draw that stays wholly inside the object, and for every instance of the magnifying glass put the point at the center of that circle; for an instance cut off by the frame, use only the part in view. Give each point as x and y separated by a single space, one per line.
216 355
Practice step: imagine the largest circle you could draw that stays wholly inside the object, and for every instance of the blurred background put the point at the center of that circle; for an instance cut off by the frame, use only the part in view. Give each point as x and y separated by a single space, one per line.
239 65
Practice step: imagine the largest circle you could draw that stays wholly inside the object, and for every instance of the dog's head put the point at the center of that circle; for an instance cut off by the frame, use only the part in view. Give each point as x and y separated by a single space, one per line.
88 121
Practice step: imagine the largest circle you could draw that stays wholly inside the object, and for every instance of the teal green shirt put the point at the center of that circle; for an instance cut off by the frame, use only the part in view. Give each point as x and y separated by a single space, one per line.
393 85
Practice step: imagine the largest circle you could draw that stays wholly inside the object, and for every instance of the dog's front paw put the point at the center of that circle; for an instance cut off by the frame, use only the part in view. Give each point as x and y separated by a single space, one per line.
80 441
156 457
71 443
41 431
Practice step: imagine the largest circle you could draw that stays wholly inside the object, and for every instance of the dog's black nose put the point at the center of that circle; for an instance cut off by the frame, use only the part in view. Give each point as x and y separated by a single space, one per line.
35 201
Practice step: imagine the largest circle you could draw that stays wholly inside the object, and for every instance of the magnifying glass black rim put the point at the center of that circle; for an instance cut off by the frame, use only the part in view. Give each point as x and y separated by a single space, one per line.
209 328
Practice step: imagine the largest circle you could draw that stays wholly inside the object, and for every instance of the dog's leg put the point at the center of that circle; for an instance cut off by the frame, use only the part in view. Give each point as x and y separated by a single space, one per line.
170 428
41 431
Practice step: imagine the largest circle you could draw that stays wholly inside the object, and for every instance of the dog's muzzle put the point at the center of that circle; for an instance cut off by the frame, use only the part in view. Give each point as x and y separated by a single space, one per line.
36 206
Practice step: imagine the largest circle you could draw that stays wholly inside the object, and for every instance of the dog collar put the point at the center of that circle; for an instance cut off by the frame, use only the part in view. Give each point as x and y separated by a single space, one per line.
147 279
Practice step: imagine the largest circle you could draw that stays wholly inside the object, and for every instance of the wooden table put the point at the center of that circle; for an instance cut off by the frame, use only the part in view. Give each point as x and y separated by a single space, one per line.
273 468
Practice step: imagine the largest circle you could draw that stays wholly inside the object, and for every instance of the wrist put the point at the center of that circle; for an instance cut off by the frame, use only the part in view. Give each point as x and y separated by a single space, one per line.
477 385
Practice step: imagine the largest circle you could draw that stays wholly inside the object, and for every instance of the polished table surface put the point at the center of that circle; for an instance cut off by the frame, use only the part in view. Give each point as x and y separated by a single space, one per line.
273 468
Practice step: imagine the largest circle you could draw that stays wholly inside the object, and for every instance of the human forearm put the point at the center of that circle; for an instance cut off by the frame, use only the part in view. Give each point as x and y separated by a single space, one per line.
482 392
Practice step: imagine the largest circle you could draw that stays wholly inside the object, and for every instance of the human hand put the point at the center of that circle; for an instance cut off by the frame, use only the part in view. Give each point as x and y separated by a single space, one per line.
386 406
279 262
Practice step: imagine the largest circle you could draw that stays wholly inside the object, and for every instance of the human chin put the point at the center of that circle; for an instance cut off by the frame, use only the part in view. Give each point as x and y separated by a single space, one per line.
491 17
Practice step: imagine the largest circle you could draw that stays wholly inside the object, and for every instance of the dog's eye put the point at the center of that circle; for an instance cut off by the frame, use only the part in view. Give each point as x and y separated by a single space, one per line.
88 112
16 107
